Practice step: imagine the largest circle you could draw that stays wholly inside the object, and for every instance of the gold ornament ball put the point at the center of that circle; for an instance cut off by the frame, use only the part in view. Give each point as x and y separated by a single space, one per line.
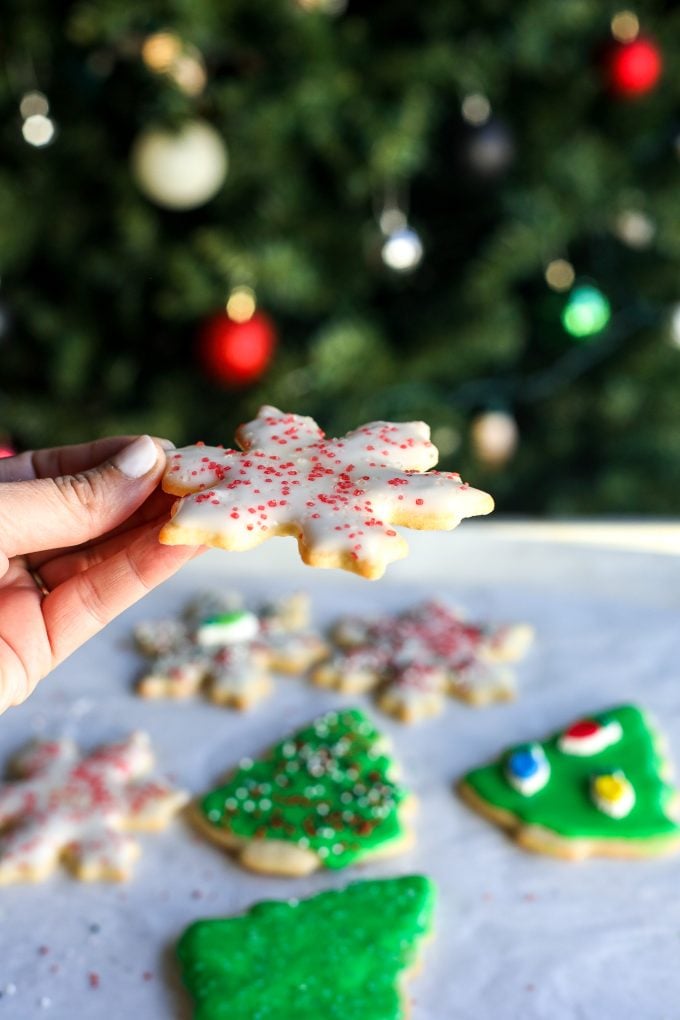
494 437
182 169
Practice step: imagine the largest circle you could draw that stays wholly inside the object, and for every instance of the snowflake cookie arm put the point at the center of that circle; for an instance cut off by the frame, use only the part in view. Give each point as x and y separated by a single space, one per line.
292 612
479 682
29 851
416 691
507 643
238 676
434 500
279 431
149 805
198 467
40 757
15 801
178 675
103 853
121 762
353 670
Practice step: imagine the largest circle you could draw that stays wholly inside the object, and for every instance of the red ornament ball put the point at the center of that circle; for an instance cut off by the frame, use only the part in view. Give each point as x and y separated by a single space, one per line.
236 353
634 68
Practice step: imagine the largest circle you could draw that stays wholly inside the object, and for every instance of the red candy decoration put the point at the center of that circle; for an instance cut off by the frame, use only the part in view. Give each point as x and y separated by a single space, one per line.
582 729
634 68
237 353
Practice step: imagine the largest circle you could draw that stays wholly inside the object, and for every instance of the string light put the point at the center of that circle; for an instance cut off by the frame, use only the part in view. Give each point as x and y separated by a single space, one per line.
38 129
625 26
188 72
165 53
34 104
494 436
635 228
490 149
586 312
559 274
160 50
391 219
476 109
402 250
241 304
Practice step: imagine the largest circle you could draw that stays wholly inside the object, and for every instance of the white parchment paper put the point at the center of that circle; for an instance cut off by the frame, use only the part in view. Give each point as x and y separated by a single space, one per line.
517 935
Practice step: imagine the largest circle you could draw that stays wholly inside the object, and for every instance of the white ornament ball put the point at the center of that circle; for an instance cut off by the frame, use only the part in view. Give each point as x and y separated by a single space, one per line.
494 437
180 170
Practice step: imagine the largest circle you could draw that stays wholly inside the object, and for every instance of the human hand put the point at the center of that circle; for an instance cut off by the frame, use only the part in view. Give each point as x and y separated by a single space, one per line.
78 545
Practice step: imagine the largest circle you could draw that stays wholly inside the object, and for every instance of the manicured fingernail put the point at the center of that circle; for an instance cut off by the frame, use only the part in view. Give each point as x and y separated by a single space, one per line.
166 444
136 459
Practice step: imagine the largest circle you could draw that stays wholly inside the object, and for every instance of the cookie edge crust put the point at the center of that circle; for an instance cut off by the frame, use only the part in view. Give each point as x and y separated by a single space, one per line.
287 859
542 840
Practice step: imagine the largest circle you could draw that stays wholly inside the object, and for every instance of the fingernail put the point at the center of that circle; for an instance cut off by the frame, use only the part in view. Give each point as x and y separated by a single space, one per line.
166 444
136 459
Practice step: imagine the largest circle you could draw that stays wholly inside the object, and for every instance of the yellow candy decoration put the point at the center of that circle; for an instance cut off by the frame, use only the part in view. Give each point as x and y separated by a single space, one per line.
613 794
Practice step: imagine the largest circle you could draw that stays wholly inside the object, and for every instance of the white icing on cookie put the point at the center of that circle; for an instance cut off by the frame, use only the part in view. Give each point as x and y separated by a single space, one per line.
339 497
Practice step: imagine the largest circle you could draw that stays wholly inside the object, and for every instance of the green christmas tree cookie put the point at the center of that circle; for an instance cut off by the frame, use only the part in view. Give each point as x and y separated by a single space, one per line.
335 956
601 787
326 796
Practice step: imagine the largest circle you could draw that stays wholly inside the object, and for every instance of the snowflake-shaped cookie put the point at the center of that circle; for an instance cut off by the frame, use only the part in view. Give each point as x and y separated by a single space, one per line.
226 651
338 497
75 808
418 657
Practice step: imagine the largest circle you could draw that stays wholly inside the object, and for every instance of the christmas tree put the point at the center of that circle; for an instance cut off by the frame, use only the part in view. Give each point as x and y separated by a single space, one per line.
461 213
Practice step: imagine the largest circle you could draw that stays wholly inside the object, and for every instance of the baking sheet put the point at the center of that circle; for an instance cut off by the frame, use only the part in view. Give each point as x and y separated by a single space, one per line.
517 934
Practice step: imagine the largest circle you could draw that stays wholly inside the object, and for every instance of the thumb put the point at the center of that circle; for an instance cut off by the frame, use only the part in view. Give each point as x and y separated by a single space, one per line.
47 513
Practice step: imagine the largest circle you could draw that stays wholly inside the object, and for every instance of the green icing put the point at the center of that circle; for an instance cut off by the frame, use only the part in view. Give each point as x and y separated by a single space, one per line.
327 788
224 618
564 805
336 956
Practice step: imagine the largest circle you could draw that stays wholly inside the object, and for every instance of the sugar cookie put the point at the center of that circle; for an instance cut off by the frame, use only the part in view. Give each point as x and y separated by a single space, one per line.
338 497
226 651
75 808
416 658
336 955
600 788
325 796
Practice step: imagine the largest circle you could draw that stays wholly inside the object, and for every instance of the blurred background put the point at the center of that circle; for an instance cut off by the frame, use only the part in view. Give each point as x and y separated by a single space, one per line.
462 212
